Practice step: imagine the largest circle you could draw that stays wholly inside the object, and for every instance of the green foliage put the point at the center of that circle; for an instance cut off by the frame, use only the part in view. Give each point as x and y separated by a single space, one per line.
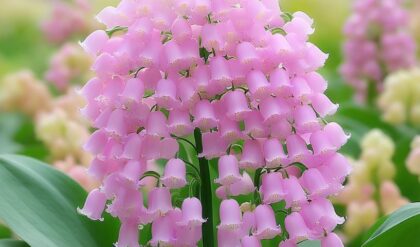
399 229
39 205
5 232
17 48
12 243
358 120
17 135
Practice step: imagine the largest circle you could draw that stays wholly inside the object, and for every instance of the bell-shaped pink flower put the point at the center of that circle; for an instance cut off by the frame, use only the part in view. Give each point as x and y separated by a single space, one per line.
166 95
301 89
230 215
156 124
228 170
237 105
96 142
187 93
336 134
320 216
201 76
258 85
280 82
295 195
335 168
213 145
322 105
227 238
247 54
219 69
237 72
321 144
274 153
133 170
244 186
297 150
272 188
254 125
305 119
181 30
211 37
229 130
168 147
222 192
116 123
179 123
267 227
250 241
314 183
140 29
204 116
296 227
159 202
149 150
316 82
252 156
151 56
128 205
134 90
133 147
163 229
176 58
129 234
187 236
273 110
95 42
248 223
174 174
94 205
281 130
191 212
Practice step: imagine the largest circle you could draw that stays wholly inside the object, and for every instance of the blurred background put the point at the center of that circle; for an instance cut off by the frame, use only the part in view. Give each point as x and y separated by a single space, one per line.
42 66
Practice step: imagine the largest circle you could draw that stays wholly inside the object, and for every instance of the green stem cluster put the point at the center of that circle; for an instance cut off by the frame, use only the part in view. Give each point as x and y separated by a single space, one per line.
205 193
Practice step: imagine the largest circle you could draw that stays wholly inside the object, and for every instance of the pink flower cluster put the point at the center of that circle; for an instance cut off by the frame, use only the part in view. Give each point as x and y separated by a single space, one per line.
67 18
68 65
242 76
378 43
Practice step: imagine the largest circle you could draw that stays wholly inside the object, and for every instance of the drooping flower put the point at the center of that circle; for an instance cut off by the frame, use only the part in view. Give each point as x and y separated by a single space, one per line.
400 99
66 20
371 191
70 65
378 43
235 76
23 92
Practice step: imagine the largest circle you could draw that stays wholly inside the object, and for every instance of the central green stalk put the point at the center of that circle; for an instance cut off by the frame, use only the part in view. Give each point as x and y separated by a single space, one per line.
205 193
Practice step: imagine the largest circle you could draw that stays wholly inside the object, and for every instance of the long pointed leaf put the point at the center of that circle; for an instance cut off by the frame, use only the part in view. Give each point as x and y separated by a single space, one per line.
39 204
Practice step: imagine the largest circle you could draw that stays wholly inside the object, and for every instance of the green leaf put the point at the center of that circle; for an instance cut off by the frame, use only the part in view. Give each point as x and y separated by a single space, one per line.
399 229
116 29
39 204
5 232
278 30
12 243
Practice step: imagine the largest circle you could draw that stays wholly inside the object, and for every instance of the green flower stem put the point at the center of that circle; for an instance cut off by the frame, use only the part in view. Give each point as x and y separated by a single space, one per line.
205 193
371 93
257 179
